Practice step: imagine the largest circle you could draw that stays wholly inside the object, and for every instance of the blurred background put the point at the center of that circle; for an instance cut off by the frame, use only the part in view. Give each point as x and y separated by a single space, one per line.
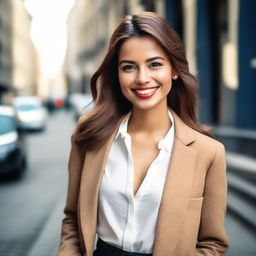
48 51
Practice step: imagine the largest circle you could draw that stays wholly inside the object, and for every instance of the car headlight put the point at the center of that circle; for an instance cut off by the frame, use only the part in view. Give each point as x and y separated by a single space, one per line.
7 143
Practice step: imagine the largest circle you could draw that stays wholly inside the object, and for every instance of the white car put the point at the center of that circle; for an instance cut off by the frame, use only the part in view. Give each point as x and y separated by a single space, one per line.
31 114
81 103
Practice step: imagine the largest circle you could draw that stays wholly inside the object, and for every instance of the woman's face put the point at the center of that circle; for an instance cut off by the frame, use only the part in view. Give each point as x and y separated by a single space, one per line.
145 72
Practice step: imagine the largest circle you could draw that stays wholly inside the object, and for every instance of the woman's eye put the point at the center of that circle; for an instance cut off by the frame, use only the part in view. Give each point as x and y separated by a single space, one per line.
155 64
128 67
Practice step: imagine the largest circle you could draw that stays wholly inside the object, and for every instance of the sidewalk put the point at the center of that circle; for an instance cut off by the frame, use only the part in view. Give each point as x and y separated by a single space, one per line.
48 240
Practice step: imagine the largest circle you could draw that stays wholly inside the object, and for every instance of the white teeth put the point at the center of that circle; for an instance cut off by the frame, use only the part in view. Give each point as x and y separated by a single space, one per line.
147 91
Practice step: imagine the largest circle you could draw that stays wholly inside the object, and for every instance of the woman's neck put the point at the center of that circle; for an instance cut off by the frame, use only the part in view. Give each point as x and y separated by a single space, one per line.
151 121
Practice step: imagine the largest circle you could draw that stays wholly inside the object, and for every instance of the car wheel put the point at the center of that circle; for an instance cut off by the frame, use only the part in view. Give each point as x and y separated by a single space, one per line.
19 172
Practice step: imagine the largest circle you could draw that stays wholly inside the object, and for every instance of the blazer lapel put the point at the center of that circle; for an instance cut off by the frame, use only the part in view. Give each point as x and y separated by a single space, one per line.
92 173
176 191
90 180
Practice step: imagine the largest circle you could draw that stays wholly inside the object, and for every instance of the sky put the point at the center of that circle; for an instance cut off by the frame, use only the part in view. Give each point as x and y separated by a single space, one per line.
49 31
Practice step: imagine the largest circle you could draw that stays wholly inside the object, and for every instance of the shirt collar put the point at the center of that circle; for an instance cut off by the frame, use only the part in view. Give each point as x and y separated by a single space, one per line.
165 142
122 130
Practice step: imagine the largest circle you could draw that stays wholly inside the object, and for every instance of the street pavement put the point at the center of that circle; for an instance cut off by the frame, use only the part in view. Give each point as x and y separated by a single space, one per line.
31 208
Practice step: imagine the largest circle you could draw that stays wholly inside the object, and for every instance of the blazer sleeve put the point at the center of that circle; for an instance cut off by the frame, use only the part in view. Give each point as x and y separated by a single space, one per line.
212 239
70 243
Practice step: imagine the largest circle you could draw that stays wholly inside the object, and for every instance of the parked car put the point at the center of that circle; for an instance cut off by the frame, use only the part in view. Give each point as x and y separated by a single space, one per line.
12 150
31 113
80 103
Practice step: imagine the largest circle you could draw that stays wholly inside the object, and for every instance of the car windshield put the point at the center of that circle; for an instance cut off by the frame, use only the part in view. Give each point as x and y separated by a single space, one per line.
7 124
27 107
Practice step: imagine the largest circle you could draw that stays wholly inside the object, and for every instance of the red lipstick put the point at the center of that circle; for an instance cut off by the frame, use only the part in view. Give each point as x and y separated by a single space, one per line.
145 92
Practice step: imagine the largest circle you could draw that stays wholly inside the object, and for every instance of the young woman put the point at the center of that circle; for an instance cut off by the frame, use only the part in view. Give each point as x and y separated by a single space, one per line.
144 177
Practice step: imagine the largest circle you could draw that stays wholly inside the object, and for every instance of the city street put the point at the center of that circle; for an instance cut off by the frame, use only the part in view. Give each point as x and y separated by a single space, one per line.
31 207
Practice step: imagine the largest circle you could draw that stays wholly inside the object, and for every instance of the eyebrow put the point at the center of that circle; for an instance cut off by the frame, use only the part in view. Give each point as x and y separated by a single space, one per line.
147 60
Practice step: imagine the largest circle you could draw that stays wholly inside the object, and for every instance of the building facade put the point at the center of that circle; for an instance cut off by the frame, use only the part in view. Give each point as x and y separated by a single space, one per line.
17 53
24 65
220 45
5 49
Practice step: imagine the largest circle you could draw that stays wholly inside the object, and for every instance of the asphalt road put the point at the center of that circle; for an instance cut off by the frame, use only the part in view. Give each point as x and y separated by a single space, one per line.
31 208
33 204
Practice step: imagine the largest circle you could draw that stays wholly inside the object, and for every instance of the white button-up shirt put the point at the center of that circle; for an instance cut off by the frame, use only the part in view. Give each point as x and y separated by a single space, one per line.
124 220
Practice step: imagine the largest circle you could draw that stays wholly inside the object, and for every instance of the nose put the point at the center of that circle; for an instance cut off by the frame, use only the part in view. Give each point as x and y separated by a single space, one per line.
142 76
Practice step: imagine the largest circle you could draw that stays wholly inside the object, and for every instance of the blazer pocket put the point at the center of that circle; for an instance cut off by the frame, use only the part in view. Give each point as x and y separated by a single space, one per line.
195 203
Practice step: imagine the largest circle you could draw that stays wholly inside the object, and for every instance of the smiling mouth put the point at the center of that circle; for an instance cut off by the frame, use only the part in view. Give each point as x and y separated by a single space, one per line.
145 92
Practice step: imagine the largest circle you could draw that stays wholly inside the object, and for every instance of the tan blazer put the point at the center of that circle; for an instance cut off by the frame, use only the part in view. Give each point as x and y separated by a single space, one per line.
193 206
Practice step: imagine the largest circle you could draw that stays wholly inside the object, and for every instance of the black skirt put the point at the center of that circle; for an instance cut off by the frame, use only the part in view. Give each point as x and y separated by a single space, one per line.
104 249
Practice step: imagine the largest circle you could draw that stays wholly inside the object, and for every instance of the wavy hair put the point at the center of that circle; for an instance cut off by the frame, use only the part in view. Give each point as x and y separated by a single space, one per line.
95 129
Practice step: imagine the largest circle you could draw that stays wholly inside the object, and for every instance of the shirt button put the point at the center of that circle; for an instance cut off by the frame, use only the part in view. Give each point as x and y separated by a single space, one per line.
160 144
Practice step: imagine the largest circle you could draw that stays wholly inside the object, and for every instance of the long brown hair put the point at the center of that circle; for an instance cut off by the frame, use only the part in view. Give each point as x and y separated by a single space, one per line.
111 103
